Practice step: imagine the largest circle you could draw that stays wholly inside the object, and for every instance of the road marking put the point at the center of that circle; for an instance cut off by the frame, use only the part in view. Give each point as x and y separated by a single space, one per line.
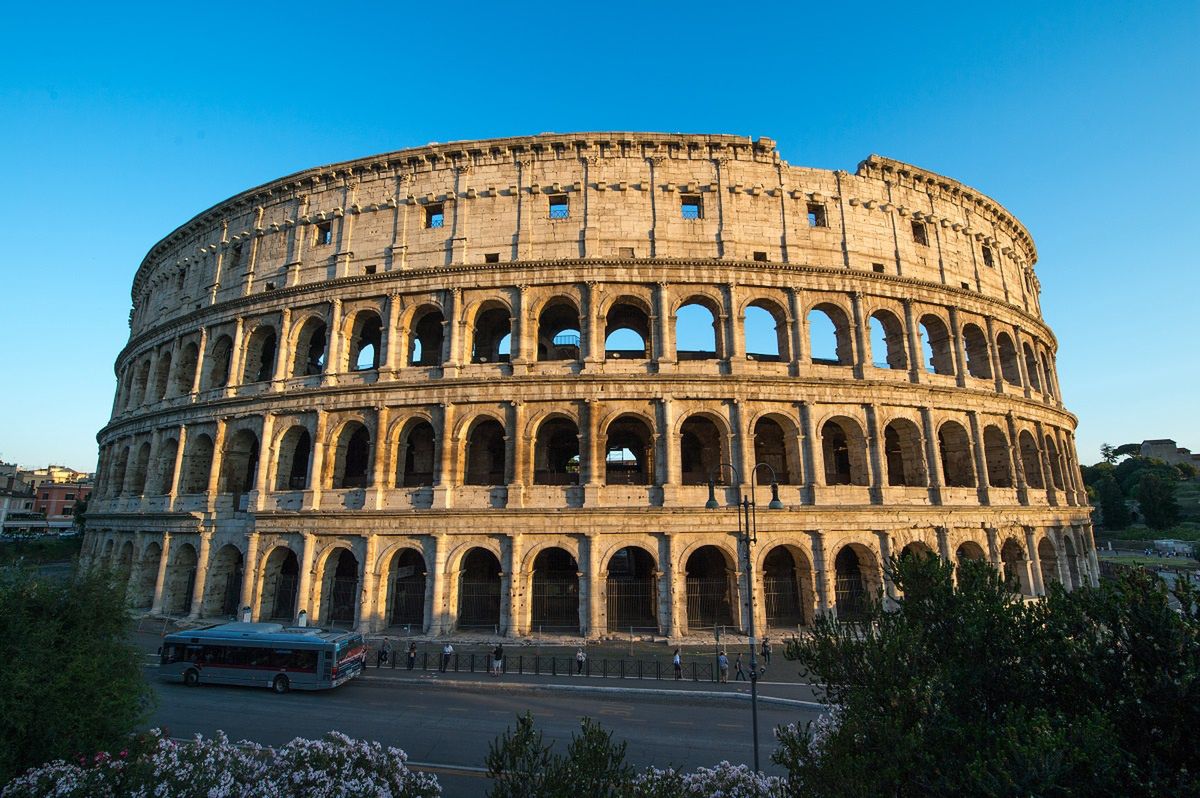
437 767
456 709
730 725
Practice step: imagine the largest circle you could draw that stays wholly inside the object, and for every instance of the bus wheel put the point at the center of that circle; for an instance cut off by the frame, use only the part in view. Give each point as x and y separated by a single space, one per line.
281 685
191 677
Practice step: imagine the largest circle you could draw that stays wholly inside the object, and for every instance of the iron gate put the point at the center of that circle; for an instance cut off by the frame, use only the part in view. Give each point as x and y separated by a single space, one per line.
851 597
232 594
284 605
408 603
555 601
343 600
478 603
185 601
631 602
708 603
783 600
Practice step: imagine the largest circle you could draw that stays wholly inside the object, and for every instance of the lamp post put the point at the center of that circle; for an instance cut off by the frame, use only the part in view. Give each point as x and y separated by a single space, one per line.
747 533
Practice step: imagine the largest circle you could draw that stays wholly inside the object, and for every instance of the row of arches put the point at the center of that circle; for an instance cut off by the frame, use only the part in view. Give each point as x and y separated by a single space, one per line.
701 590
894 336
622 451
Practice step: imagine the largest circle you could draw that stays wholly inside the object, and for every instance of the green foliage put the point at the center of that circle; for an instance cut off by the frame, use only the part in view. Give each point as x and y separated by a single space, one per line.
522 767
1157 499
1094 473
72 682
1108 453
1128 450
1130 472
1186 470
1112 504
41 550
967 690
79 517
518 763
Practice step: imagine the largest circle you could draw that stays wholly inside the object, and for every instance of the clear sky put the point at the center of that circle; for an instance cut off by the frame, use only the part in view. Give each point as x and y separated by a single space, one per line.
1081 118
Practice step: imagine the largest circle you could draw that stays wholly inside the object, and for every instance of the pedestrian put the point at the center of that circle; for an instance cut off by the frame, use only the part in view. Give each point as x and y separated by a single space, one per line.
766 651
498 659
385 653
412 655
678 663
447 653
580 658
741 673
723 665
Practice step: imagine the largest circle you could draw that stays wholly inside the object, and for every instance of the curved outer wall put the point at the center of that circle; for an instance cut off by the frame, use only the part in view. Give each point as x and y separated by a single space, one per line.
385 391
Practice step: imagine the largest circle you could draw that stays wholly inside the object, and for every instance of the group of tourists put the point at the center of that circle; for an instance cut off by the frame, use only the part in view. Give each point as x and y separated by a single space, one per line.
385 654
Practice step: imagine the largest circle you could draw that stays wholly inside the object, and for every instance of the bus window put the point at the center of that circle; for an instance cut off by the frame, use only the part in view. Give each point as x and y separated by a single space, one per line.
296 661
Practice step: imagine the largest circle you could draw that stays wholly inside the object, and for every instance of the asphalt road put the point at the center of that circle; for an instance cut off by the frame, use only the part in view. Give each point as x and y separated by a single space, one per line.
449 729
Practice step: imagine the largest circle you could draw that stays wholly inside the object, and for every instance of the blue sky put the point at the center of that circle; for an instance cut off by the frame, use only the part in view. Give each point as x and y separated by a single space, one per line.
1081 118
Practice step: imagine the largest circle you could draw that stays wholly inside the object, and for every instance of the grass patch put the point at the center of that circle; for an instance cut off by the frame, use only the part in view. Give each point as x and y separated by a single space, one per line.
1186 530
1184 563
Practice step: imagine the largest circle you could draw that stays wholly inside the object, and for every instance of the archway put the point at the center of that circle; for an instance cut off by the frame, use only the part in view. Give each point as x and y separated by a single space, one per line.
366 341
1007 353
124 565
415 453
197 464
628 452
164 481
710 588
765 332
1048 555
339 588
479 591
853 566
627 331
219 359
223 586
843 450
556 453
352 457
829 336
996 454
428 332
281 582
295 451
310 347
162 375
631 593
485 454
120 469
1056 472
490 338
185 372
142 594
777 449
787 587
558 331
975 342
406 590
141 468
179 581
969 550
887 341
939 358
1072 563
1013 565
260 355
1031 459
701 450
555 604
239 464
1031 368
955 450
903 455
696 333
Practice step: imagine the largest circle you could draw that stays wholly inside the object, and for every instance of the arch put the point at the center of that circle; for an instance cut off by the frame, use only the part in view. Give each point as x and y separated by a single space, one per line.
120 469
124 565
427 334
916 549
162 375
843 452
697 334
701 448
406 575
141 468
352 458
1031 459
1014 567
765 331
366 341
141 595
904 454
631 590
778 447
969 550
490 337
626 323
261 349
887 341
339 588
163 480
711 593
280 584
219 361
556 452
829 335
935 341
979 363
1007 354
223 585
1031 367
996 454
185 372
1048 555
311 343
954 447
1047 380
629 451
787 587
295 455
479 591
485 453
1072 562
1056 470
415 451
555 587
179 580
197 464
558 328
141 384
239 463
856 577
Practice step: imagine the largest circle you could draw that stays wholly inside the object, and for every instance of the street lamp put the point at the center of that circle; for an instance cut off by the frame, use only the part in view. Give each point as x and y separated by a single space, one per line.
747 533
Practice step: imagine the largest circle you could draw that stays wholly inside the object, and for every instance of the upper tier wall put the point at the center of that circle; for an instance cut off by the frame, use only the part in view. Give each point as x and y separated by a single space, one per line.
624 194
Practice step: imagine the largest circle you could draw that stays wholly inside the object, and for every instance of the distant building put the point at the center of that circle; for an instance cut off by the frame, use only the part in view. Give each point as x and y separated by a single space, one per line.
56 502
53 474
16 502
1168 451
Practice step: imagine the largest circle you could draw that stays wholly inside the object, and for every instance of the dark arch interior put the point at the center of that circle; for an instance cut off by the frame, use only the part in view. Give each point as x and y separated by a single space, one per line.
555 604
631 591
782 589
556 453
710 591
850 588
408 589
479 591
343 596
485 454
628 452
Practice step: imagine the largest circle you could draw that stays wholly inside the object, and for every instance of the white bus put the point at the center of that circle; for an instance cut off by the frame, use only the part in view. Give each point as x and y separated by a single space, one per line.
264 654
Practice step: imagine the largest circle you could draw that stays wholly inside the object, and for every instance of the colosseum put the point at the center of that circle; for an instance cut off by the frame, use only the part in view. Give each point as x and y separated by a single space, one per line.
487 385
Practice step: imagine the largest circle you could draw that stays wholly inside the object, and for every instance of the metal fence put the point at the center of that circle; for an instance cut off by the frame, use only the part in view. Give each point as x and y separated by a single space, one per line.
284 605
408 601
555 601
782 600
478 603
343 600
851 597
631 603
695 669
708 602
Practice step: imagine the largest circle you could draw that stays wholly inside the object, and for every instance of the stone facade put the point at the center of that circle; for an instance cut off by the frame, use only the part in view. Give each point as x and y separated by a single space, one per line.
444 389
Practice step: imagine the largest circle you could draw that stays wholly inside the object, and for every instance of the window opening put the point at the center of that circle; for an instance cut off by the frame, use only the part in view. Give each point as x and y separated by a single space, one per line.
816 215
760 256
324 235
491 257
691 206
434 215
560 208
987 257
877 268
920 234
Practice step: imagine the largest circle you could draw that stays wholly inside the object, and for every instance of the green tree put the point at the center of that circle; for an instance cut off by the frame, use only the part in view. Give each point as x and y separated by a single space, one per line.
1112 504
967 690
1108 453
521 766
72 682
1157 499
1128 450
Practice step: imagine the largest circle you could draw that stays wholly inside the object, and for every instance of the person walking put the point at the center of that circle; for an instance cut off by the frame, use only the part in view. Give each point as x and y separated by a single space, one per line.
447 653
580 658
412 655
678 664
741 672
766 651
723 666
385 653
498 659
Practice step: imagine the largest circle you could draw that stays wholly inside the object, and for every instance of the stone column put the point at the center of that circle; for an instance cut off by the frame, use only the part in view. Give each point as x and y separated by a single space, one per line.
284 354
1091 554
808 455
993 539
443 492
250 595
742 436
519 327
218 461
391 336
595 609
1022 367
266 458
943 542
981 474
453 331
236 356
1034 563
932 456
861 338
201 574
316 477
1060 552
594 455
304 591
915 364
591 326
994 356
437 618
823 574
1018 460
369 605
662 329
795 336
669 472
885 552
379 446
173 488
875 453
734 331
512 615
674 589
201 352
960 353
156 607
333 352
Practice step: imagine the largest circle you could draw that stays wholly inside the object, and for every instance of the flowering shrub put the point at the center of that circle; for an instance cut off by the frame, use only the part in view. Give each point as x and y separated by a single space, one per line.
723 781
332 767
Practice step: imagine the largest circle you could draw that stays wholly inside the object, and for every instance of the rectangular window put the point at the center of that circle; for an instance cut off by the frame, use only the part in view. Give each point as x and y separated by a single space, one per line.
987 256
491 257
920 234
560 208
434 217
691 206
370 269
67 510
966 286
235 257
760 256
816 215
877 268
45 495
69 497
324 234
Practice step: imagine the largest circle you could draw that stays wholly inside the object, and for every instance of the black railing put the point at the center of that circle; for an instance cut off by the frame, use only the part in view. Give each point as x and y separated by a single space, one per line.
695 669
